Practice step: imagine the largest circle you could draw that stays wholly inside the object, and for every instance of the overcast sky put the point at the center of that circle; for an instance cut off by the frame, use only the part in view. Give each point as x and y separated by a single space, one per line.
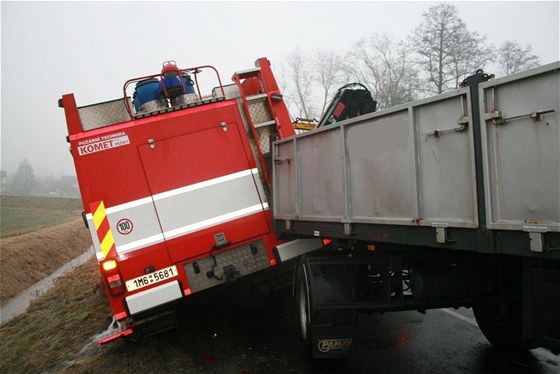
91 49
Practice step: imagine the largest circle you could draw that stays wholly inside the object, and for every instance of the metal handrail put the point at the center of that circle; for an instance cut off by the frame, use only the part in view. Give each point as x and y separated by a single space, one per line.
193 70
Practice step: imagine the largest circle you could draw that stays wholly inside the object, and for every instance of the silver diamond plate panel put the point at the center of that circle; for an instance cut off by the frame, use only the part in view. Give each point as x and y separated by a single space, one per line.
104 114
252 143
259 111
153 105
231 91
244 261
187 98
264 134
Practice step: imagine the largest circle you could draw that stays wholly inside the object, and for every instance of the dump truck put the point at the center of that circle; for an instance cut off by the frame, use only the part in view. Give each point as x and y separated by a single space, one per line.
449 201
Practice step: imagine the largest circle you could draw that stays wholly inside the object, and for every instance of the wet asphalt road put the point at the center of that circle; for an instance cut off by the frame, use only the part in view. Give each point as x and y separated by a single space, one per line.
230 335
442 341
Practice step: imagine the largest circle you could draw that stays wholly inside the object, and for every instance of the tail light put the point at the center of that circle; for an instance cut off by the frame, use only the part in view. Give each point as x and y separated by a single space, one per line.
113 277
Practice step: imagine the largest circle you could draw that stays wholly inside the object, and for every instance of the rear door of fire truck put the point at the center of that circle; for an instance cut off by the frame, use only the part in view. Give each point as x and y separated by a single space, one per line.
206 190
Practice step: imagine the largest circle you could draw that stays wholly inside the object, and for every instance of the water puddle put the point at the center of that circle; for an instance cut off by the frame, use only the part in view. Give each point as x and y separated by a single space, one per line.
16 305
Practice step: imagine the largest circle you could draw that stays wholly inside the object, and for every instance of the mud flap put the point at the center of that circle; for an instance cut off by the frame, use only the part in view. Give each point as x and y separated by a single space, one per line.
325 294
333 341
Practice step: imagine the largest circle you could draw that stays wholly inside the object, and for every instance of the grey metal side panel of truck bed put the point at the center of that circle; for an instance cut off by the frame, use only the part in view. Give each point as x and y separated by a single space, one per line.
408 175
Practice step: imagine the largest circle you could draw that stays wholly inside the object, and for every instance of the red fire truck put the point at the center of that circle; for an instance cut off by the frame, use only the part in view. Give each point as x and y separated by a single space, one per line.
176 184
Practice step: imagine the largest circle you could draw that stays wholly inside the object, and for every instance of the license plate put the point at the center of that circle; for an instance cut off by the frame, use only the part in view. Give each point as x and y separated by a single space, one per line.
152 278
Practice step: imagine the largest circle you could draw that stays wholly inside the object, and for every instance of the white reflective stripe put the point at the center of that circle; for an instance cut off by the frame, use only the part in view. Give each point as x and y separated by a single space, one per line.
140 243
121 207
131 204
204 184
177 191
215 221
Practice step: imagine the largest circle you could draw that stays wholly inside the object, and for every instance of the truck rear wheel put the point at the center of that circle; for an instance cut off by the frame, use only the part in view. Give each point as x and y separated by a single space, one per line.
326 335
303 299
501 323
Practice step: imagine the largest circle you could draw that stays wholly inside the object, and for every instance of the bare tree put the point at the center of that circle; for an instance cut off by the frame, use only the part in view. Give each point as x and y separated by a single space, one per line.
512 58
384 67
23 182
446 50
299 81
328 72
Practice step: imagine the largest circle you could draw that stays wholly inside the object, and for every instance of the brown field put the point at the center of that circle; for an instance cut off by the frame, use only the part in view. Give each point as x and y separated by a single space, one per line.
29 257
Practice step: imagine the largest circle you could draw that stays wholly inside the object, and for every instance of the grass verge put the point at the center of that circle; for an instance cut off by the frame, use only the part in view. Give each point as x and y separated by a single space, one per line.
57 325
23 214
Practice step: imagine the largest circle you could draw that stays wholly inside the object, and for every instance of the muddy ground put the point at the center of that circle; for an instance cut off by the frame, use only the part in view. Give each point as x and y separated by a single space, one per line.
228 334
234 334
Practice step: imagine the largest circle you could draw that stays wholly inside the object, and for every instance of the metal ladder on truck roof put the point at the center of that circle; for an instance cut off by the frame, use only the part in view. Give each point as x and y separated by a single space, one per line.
265 110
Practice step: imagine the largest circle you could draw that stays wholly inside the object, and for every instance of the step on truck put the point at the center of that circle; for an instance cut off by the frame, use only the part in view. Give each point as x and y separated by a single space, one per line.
450 201
175 185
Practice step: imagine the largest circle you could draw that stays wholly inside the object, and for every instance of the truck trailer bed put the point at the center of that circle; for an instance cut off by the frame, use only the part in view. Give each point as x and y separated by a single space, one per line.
475 169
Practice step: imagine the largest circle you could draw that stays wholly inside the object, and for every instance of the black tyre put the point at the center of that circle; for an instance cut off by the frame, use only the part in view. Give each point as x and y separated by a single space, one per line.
501 323
303 302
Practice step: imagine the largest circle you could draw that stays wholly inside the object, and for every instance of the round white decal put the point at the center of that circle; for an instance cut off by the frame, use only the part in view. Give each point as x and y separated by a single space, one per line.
124 226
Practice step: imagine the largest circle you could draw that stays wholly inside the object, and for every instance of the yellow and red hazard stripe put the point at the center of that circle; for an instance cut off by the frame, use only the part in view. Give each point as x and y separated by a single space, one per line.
103 229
